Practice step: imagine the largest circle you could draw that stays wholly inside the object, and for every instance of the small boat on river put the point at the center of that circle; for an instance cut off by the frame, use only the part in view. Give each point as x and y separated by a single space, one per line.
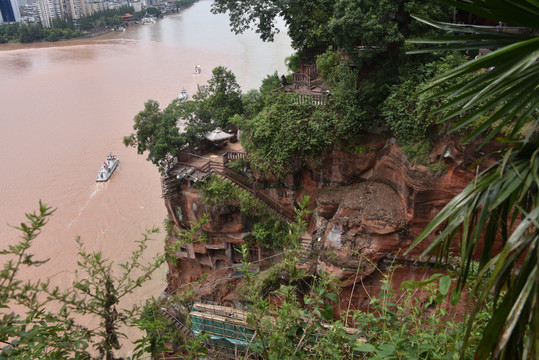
197 70
108 167
183 95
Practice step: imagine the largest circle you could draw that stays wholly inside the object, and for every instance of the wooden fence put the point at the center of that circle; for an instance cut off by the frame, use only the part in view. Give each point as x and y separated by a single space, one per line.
233 155
312 99
301 80
309 69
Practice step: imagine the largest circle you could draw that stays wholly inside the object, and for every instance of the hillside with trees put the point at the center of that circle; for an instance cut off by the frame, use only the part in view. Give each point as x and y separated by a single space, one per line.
378 82
402 78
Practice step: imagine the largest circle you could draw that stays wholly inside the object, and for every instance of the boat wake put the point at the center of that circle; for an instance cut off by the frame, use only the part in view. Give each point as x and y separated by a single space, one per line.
96 189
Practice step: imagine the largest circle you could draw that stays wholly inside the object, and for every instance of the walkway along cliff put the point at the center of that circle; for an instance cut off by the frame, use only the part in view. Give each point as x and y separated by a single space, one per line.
366 207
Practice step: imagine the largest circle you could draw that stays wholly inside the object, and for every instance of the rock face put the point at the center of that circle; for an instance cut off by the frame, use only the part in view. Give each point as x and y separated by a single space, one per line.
367 205
357 222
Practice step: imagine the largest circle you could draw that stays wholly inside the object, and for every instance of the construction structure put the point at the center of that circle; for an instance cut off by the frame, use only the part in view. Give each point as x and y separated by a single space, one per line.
229 333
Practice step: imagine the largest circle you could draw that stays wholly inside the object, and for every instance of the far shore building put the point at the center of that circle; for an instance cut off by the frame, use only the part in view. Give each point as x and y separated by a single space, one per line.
51 9
9 11
48 10
95 6
137 5
127 18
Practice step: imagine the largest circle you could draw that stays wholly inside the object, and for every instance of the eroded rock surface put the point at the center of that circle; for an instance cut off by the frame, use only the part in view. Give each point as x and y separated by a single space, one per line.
367 205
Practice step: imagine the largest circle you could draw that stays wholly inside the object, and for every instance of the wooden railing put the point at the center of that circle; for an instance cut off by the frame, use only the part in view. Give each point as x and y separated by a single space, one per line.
310 69
312 99
311 53
301 80
184 330
233 155
211 166
248 185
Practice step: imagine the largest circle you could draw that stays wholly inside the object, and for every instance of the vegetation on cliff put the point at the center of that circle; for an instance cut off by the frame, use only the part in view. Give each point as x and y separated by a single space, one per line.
162 133
374 85
293 311
268 230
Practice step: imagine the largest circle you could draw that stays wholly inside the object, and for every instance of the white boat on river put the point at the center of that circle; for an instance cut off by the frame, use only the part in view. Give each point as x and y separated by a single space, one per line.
183 95
108 167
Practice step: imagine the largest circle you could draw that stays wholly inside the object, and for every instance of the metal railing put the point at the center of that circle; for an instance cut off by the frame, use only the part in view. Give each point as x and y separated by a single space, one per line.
211 166
313 99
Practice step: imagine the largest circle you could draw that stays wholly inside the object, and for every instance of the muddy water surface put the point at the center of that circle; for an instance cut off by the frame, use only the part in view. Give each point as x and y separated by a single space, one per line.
65 106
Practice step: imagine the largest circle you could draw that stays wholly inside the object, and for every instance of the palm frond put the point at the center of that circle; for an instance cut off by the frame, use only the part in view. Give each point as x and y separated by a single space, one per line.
496 92
522 12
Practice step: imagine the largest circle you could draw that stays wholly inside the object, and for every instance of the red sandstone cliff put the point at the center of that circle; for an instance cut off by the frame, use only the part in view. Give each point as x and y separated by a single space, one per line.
366 207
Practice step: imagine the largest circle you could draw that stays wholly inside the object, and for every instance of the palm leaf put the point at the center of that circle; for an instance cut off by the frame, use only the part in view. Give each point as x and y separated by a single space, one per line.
486 204
501 206
514 75
522 12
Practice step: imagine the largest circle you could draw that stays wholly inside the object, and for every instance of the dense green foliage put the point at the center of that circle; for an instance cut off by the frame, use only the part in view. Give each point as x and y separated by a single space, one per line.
269 231
281 133
162 133
221 97
406 111
287 131
404 324
306 24
63 29
157 133
378 25
27 33
372 32
106 17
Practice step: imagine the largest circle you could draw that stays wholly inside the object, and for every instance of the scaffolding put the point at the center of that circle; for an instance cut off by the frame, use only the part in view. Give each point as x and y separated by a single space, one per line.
227 327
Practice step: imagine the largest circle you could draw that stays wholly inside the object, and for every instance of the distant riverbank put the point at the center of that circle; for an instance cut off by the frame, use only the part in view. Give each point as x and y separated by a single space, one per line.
97 24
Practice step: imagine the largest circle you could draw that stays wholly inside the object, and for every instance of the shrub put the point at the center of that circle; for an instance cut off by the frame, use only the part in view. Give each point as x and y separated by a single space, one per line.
269 230
327 64
288 131
292 62
271 233
217 192
406 112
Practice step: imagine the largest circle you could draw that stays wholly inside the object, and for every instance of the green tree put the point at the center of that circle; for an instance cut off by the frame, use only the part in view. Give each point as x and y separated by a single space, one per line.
153 11
97 291
305 24
255 100
222 96
406 112
288 132
370 30
156 132
38 333
500 206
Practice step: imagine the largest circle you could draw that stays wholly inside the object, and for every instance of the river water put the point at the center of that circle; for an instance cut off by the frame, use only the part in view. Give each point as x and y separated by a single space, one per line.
65 106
